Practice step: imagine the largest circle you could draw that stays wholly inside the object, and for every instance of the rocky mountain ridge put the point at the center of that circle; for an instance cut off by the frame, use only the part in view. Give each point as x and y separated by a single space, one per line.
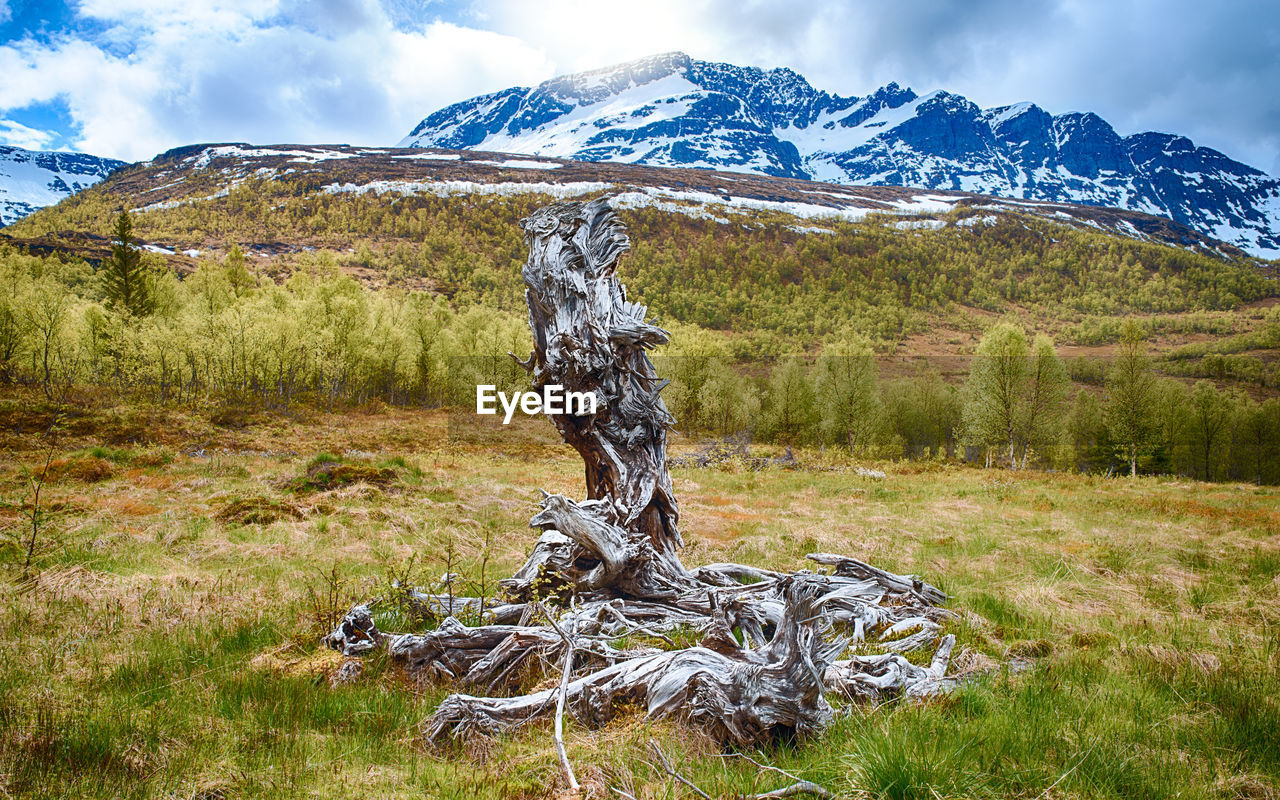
31 179
673 110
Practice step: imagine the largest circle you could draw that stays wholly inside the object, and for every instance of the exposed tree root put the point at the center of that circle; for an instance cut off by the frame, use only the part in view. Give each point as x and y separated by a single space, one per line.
772 646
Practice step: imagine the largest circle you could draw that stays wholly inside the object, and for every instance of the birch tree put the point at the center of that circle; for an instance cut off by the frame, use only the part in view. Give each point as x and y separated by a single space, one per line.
994 390
846 391
1131 388
1044 390
791 411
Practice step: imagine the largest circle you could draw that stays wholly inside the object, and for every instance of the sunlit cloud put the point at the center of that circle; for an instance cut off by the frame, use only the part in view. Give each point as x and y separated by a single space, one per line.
154 74
333 72
18 135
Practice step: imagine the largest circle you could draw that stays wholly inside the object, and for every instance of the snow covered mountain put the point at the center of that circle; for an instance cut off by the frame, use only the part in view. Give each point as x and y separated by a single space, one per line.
31 179
672 110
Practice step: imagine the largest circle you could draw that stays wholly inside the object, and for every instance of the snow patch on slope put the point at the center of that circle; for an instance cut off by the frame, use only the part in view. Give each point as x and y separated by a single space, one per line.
451 188
636 107
32 179
519 164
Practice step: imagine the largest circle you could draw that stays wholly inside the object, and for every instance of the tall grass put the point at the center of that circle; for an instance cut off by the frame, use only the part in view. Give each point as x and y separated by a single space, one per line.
161 650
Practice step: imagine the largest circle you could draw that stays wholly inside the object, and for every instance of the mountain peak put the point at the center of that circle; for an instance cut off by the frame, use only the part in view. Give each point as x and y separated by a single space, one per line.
894 95
31 179
673 110
639 71
1000 116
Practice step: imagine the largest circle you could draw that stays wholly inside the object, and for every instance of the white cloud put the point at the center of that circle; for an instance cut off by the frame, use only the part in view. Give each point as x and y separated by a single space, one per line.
587 34
311 72
19 135
1201 70
161 74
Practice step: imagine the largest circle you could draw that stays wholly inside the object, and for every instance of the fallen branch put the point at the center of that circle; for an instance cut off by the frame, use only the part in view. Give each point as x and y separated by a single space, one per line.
665 766
800 786
795 789
565 670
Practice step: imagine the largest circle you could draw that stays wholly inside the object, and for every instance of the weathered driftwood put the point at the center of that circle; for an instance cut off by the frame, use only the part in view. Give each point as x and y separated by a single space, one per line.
738 694
772 645
588 337
902 584
875 676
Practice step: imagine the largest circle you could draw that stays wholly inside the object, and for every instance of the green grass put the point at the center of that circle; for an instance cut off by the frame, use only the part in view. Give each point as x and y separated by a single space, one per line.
160 651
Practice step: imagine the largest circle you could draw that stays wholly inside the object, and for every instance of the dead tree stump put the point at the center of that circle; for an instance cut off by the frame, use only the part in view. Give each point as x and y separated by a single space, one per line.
772 645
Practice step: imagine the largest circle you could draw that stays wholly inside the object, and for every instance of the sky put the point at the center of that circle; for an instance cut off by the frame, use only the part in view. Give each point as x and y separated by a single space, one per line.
132 78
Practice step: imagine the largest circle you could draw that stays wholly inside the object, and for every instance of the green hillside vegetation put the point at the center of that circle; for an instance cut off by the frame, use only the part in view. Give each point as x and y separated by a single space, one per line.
414 300
322 339
758 275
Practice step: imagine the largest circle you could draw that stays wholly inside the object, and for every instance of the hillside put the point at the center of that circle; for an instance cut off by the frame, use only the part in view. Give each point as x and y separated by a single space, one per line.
673 110
338 275
789 259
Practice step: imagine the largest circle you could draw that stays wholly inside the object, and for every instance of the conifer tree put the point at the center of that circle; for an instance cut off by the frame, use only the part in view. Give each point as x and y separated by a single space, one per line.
125 276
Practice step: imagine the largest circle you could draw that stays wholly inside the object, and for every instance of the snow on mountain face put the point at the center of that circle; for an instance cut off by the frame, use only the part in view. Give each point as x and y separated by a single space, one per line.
672 110
31 179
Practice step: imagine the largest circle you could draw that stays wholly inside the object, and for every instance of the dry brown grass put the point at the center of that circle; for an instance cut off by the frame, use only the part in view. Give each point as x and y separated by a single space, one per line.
77 468
1041 566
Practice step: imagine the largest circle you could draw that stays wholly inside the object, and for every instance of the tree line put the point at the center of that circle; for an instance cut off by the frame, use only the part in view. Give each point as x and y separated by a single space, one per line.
1016 406
756 276
322 338
221 334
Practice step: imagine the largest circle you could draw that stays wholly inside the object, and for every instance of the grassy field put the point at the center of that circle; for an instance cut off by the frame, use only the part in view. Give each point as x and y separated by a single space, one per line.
1123 636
